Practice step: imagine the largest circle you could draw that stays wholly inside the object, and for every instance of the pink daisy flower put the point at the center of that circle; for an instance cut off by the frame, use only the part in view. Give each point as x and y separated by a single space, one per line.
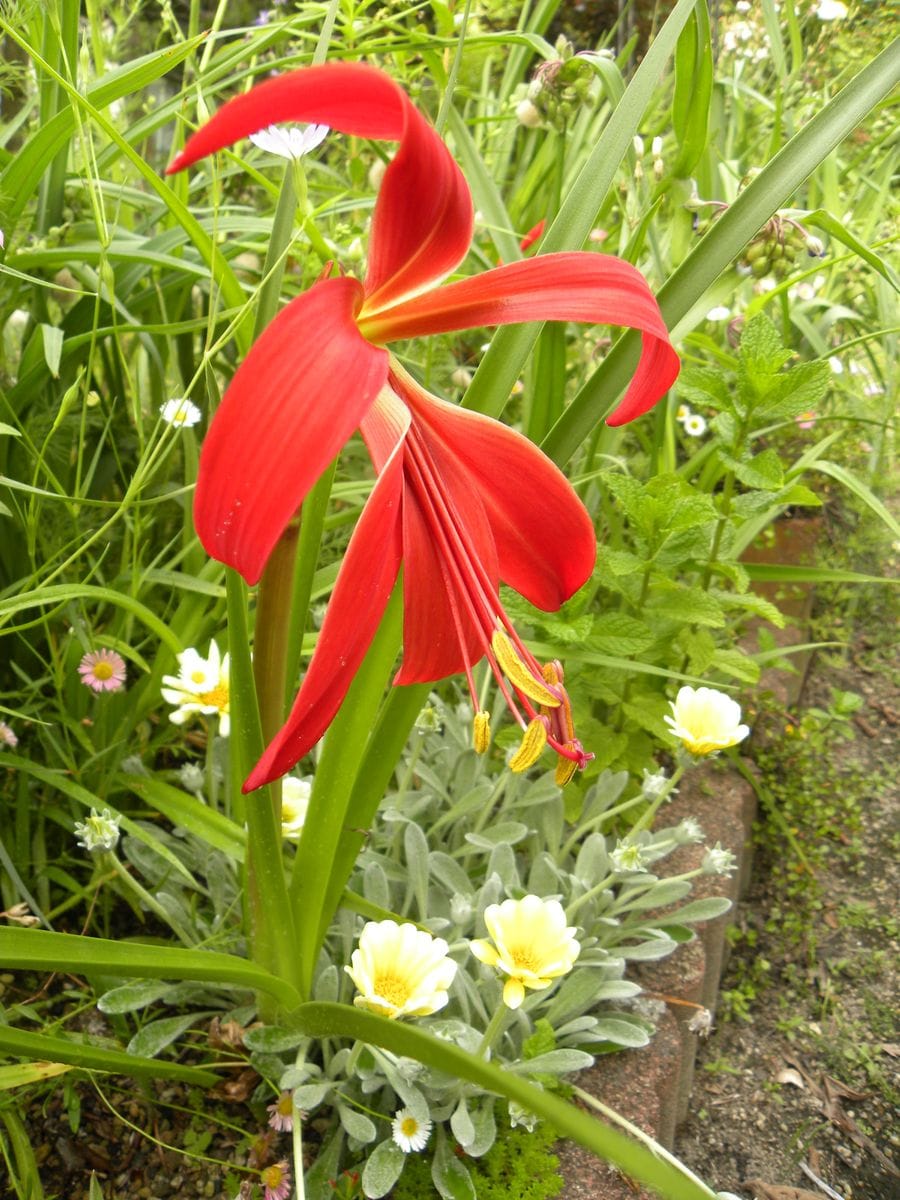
102 671
281 1113
277 1181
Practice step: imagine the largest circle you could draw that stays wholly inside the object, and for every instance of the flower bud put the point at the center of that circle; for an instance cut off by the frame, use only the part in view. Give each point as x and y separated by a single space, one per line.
528 114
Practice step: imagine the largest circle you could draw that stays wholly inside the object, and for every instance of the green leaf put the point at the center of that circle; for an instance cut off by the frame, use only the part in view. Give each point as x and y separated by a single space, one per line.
337 1020
191 814
618 633
621 1033
61 593
40 949
23 1074
450 1177
764 471
156 1035
784 573
861 490
820 218
692 605
736 664
723 241
693 90
44 1048
383 1168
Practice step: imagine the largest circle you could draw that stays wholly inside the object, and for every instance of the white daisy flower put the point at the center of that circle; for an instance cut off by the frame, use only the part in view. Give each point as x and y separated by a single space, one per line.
411 1133
180 412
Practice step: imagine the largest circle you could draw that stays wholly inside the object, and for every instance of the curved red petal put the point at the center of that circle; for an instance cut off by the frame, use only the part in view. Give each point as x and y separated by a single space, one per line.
294 401
422 224
361 592
543 533
349 97
580 286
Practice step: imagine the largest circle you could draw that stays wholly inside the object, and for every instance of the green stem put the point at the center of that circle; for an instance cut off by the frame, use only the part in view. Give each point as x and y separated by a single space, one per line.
493 1031
646 817
273 622
268 912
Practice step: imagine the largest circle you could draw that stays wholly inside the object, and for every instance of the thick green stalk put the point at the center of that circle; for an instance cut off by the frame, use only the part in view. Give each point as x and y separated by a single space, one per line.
268 912
273 620
343 754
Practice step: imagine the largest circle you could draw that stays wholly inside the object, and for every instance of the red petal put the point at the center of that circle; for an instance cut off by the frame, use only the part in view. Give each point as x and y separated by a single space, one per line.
294 401
445 530
593 288
543 533
422 225
361 592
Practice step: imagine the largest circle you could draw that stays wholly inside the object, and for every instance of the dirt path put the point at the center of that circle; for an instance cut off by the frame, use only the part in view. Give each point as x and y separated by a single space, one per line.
799 1083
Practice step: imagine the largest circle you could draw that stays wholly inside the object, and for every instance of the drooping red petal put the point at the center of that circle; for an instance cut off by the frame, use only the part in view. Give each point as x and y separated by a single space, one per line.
361 592
422 225
450 569
581 286
294 401
543 533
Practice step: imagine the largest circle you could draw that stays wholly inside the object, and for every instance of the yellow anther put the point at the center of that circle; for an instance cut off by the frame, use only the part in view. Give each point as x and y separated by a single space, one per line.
481 733
518 674
565 769
563 725
533 742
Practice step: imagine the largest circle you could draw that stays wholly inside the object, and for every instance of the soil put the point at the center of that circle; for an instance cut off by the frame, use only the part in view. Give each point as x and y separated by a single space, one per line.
799 1089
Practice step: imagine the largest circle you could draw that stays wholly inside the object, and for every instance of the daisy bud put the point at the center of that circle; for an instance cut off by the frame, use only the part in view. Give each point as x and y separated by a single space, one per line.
528 114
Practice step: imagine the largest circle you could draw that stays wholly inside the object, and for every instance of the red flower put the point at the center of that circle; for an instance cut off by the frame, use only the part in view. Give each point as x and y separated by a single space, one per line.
461 500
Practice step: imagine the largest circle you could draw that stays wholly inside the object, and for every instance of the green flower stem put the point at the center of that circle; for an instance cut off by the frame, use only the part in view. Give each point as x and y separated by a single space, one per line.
268 914
646 817
596 890
493 1031
645 1138
273 622
297 1152
312 519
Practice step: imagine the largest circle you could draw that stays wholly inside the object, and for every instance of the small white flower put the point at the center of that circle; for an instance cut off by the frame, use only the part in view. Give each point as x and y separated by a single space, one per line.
533 946
706 720
376 173
837 367
201 686
528 114
638 143
743 6
7 737
682 413
290 141
191 778
694 425
689 831
182 413
831 10
461 377
99 831
411 1133
294 803
719 313
522 1116
400 971
627 858
654 785
717 861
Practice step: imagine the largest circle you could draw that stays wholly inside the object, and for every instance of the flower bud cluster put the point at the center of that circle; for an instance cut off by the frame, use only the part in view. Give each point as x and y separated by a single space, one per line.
778 246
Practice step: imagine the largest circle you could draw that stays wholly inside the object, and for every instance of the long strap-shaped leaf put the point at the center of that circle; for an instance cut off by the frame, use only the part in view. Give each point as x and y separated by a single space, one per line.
713 254
38 949
232 292
47 1049
502 364
340 1020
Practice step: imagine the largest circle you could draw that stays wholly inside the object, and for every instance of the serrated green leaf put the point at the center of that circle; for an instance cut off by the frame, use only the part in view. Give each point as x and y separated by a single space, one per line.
764 471
692 605
750 602
618 633
736 664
